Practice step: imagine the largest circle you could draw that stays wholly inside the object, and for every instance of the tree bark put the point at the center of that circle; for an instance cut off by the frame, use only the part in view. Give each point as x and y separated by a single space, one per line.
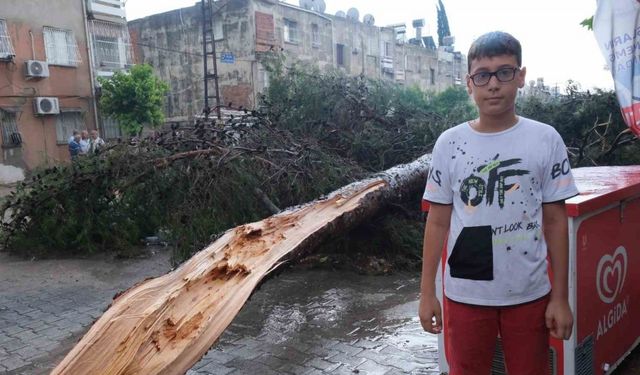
165 325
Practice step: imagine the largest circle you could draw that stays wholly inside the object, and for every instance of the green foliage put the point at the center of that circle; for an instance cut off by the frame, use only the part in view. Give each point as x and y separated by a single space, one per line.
135 99
314 132
443 23
375 123
588 23
590 123
79 208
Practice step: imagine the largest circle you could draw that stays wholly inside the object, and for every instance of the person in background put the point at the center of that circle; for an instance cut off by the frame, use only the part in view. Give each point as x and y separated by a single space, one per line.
74 147
73 136
84 142
95 142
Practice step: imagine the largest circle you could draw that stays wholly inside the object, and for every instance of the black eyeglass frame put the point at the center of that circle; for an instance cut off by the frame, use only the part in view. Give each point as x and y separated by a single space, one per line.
492 74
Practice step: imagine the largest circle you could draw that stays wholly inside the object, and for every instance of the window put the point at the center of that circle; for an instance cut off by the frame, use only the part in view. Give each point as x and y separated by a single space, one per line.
218 28
111 45
290 31
6 49
61 47
263 77
315 35
432 72
340 54
373 46
387 49
10 135
372 61
412 63
110 128
66 123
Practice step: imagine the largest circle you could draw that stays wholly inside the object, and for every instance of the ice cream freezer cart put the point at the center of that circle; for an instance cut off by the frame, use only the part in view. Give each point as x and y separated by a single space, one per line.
604 275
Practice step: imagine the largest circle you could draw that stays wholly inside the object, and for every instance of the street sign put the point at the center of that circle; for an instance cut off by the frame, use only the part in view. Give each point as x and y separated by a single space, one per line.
227 58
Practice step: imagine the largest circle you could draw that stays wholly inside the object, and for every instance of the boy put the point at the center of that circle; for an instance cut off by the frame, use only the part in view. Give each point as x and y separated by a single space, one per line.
497 186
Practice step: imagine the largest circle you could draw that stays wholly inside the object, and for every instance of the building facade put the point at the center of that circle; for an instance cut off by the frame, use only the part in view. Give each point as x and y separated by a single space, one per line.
245 29
50 55
539 90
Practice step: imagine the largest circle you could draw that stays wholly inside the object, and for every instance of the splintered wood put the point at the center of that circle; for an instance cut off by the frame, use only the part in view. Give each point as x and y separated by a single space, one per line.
165 325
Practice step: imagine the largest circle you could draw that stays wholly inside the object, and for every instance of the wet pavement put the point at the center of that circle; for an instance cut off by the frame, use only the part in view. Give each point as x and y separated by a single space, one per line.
312 322
300 322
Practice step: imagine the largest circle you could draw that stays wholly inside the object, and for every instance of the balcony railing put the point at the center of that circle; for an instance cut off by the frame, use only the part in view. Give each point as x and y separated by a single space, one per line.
112 48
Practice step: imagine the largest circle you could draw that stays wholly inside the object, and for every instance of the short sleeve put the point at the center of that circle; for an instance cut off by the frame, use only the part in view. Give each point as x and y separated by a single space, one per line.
557 183
438 189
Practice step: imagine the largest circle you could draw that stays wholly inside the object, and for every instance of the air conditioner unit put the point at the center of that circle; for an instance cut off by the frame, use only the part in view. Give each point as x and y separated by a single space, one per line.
37 69
46 106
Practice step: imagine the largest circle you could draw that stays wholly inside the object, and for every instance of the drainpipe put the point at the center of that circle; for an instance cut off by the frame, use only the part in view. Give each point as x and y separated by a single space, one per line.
91 65
33 48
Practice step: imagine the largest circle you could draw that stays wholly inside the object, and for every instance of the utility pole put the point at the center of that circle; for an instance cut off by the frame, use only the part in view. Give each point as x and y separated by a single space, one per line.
209 52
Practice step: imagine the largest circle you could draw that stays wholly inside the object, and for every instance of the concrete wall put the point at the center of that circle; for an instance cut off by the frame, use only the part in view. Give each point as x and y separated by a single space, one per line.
252 27
172 43
72 85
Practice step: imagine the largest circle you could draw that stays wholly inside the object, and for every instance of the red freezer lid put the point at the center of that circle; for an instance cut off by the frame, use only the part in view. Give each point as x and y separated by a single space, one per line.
602 186
599 187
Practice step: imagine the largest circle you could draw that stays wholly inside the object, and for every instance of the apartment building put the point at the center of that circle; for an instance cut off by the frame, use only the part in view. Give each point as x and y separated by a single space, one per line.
245 29
50 55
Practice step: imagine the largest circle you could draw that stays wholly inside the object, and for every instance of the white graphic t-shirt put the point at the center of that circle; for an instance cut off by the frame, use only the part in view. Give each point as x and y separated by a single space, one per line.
497 182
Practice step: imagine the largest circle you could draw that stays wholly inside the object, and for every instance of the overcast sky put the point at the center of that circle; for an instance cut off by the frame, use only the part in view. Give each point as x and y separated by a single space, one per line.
555 46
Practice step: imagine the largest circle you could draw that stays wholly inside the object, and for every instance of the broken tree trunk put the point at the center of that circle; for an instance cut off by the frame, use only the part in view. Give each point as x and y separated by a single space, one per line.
165 325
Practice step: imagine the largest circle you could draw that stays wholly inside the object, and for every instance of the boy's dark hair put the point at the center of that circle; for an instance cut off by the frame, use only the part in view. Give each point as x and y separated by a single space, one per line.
492 44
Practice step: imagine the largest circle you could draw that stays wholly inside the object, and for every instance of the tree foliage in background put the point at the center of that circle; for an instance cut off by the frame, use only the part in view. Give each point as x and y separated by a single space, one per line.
313 132
443 23
590 123
588 23
375 123
135 98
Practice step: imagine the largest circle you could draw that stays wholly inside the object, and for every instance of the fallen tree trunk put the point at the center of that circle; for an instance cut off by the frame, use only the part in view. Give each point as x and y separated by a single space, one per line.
165 325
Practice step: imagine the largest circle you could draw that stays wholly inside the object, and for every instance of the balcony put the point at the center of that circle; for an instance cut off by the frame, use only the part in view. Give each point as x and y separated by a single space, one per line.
111 44
109 8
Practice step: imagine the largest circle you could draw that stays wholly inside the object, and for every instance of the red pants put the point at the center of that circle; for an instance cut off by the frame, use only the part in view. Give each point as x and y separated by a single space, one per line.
471 333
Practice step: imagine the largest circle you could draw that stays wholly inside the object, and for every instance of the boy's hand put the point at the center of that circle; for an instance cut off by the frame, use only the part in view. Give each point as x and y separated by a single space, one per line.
559 319
430 314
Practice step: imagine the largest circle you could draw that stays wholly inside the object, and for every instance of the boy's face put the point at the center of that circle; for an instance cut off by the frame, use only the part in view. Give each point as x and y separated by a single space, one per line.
495 97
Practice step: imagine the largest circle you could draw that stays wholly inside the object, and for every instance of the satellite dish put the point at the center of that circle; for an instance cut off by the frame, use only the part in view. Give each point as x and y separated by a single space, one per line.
369 20
306 4
341 14
319 6
353 14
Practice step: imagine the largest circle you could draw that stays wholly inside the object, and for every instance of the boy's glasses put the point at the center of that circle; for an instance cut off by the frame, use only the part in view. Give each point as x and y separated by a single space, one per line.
502 75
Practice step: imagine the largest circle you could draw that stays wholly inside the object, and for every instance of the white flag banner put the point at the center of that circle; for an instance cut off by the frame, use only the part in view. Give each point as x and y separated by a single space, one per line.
617 28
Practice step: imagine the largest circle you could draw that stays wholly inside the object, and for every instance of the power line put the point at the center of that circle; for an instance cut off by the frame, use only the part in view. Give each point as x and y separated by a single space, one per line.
178 51
167 49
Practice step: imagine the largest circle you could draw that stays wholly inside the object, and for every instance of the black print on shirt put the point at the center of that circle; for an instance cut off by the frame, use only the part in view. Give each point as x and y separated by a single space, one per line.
560 169
436 176
472 255
496 181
